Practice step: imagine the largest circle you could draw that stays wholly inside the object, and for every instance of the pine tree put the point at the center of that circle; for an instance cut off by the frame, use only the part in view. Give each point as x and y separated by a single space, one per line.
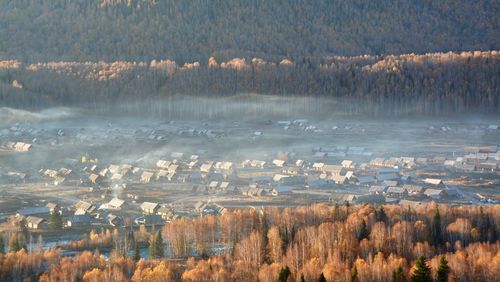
159 252
322 278
363 231
421 271
437 234
302 278
443 270
398 275
284 274
55 220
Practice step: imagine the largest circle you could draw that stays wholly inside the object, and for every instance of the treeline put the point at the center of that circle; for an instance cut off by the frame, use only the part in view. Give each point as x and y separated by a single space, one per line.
315 243
81 30
434 83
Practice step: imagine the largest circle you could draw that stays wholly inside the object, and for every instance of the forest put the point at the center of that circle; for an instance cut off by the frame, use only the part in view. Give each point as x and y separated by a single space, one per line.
309 243
433 83
144 30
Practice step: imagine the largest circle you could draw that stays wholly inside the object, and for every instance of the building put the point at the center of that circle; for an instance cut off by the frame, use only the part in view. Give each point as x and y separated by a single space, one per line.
115 204
33 211
34 222
79 220
150 208
435 194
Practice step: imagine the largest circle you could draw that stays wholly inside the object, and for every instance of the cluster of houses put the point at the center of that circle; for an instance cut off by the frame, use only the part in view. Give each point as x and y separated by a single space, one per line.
16 146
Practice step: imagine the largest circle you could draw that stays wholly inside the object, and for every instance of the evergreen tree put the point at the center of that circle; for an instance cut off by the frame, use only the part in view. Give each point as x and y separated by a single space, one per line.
55 220
2 245
354 274
302 278
421 271
437 234
381 215
363 231
443 270
159 252
284 274
398 275
322 278
152 247
135 244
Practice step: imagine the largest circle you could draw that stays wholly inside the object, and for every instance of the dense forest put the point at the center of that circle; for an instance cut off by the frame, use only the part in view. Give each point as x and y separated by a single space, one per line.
143 30
314 243
434 83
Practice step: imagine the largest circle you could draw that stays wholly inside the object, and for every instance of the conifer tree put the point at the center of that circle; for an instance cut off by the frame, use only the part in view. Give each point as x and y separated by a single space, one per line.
284 274
421 271
322 278
443 269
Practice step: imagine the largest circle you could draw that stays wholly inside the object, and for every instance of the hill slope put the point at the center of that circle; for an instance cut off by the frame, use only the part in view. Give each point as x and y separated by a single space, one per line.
110 30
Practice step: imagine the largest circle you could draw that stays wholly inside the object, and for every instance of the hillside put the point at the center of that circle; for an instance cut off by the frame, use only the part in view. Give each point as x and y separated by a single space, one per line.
143 30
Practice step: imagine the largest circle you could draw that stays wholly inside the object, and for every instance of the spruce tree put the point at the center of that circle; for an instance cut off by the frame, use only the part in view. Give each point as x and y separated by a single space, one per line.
421 271
302 278
398 275
2 245
55 220
363 231
381 215
443 270
159 252
284 274
135 245
322 278
437 234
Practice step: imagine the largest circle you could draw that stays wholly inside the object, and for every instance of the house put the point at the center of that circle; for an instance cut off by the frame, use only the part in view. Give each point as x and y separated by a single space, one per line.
365 180
79 220
213 185
150 220
163 164
224 185
387 176
167 213
370 198
146 177
53 207
150 208
85 207
281 189
347 164
436 182
396 192
377 189
279 163
115 204
299 163
95 178
414 190
114 220
333 169
33 211
435 194
339 179
318 166
206 167
34 222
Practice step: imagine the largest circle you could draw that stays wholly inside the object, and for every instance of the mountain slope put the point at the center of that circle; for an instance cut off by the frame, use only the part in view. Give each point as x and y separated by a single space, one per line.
46 30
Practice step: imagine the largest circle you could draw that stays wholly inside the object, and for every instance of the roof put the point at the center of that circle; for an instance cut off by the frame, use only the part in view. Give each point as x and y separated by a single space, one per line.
115 202
433 181
88 207
387 176
34 210
395 190
149 206
433 192
365 179
34 220
413 188
79 218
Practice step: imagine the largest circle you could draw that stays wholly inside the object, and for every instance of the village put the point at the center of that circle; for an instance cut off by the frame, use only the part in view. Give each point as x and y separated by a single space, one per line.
233 166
